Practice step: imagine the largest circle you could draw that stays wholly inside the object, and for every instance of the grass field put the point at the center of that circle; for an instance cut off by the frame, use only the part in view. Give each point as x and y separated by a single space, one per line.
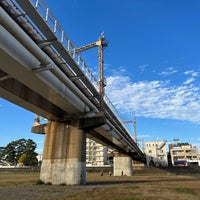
138 187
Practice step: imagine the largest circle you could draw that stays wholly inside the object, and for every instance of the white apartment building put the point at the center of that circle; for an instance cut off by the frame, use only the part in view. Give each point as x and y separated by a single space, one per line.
156 153
183 154
96 154
39 158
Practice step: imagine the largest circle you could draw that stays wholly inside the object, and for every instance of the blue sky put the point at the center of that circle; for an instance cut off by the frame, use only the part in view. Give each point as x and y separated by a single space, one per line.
152 65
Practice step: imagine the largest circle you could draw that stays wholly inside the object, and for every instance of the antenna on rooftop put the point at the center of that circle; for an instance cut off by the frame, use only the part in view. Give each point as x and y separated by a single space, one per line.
176 140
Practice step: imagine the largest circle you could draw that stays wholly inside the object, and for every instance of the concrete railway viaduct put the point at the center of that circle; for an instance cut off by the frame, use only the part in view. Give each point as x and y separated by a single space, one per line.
41 72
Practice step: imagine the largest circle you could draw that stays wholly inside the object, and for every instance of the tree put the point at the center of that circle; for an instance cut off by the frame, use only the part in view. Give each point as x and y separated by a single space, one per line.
20 147
20 150
9 153
22 159
30 160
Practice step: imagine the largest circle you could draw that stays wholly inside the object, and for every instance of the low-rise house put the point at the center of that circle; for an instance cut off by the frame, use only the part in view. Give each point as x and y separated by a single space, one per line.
156 153
184 154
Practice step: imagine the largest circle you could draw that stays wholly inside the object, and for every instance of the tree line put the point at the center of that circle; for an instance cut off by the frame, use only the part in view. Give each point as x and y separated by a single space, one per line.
20 152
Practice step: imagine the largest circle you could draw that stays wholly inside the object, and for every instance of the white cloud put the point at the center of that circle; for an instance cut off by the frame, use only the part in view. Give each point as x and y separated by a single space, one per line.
189 80
168 71
192 73
119 71
155 99
143 67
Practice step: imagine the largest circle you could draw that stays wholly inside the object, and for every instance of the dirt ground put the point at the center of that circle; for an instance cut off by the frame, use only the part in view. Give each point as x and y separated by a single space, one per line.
15 186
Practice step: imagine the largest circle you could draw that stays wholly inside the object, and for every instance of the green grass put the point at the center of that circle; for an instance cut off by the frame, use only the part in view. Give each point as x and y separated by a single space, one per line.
39 182
185 191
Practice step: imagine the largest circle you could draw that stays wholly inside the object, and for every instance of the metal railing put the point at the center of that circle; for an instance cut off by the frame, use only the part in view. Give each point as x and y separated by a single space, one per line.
55 26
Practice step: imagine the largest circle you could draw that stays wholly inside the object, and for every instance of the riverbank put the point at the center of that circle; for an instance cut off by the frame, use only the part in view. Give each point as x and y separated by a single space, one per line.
141 186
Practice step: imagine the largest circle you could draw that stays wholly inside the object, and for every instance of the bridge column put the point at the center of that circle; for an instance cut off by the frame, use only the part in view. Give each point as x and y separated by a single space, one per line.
122 165
64 155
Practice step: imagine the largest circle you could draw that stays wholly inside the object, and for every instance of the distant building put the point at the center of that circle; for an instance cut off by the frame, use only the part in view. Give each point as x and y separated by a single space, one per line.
4 163
183 154
39 158
1 149
156 153
96 154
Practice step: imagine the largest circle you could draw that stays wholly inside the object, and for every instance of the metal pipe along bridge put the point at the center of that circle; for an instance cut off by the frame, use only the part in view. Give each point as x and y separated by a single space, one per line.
42 71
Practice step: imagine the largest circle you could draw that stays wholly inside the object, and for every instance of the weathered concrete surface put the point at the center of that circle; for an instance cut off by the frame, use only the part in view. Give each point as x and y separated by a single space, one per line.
122 165
64 155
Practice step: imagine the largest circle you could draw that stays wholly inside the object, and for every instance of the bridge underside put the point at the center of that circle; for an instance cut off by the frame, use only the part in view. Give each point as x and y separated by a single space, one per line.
47 80
14 91
47 92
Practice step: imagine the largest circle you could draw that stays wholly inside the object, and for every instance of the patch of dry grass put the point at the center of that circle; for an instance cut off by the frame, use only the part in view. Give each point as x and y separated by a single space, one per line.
9 179
138 187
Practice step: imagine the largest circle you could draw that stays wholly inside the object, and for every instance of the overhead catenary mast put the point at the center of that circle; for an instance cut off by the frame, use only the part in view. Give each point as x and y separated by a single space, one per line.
101 44
135 129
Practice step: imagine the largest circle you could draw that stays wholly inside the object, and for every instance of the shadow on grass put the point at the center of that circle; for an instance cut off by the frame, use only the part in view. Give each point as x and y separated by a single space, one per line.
155 180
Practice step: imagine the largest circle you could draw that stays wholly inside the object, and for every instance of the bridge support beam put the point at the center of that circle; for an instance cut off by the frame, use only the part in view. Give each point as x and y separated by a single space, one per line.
122 165
64 155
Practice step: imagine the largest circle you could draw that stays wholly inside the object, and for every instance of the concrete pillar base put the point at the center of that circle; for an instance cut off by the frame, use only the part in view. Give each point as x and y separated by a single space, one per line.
64 155
122 165
63 171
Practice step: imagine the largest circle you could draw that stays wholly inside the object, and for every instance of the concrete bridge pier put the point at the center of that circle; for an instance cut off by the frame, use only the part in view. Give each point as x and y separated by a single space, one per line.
122 165
64 154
